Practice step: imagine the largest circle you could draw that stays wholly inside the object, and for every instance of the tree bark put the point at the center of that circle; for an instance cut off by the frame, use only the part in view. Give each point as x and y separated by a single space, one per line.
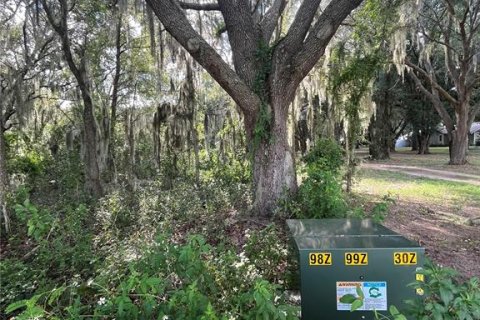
423 143
459 138
379 129
114 101
379 148
273 167
3 178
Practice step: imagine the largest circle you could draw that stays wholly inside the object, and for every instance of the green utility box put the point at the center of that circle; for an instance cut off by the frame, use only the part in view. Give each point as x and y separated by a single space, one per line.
337 256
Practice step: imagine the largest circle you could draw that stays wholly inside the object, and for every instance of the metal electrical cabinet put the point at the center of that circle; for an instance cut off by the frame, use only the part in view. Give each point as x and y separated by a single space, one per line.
337 256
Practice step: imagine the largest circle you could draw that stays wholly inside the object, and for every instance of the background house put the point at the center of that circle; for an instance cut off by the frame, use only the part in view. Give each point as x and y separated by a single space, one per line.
440 136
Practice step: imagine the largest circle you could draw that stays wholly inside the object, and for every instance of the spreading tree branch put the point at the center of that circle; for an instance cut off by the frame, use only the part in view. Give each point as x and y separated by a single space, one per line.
321 33
200 6
174 20
300 25
435 100
433 83
270 20
244 36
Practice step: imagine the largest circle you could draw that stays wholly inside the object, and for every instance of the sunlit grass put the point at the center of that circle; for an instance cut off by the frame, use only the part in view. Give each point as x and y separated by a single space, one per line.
437 159
428 191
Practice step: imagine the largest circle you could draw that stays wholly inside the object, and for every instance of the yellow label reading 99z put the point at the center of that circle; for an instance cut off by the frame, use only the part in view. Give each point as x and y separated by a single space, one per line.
405 258
320 259
356 258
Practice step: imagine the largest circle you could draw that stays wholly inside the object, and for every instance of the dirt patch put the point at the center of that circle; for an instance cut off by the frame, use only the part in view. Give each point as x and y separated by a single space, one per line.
442 231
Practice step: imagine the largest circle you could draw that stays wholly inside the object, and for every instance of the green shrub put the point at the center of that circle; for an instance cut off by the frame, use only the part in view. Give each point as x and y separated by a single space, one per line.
235 171
445 296
327 154
268 252
32 163
39 222
378 212
50 249
190 281
321 194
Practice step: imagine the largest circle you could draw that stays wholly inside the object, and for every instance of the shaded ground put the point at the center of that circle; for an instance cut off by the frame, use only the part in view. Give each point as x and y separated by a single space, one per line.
448 241
432 206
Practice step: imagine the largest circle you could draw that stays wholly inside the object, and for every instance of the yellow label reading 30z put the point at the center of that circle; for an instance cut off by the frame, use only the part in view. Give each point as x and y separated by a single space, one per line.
405 258
356 258
320 259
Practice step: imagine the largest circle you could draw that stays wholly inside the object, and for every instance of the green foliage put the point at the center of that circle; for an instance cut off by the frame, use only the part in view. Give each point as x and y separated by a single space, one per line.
17 281
66 174
32 164
169 282
394 313
266 252
263 57
327 154
235 171
61 251
378 212
445 297
38 221
321 195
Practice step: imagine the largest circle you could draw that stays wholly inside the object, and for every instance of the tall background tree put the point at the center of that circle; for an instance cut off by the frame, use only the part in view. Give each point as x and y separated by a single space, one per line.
446 38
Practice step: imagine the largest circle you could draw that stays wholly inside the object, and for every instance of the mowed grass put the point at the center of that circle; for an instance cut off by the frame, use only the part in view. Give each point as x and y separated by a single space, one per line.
437 159
427 191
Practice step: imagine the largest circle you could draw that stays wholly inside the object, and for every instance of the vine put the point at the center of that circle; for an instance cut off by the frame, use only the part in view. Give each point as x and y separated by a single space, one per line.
262 129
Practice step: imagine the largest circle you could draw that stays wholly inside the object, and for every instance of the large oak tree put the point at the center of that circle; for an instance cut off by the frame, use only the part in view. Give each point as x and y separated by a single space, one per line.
266 73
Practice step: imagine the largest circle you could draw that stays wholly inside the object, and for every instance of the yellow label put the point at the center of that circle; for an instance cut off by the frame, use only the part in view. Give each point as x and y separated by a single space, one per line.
320 259
356 258
420 277
420 291
405 258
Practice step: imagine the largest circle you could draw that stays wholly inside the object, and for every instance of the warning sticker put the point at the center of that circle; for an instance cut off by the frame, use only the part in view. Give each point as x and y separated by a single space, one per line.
374 295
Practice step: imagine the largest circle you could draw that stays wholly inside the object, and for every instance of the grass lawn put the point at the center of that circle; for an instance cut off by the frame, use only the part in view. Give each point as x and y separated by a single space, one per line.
437 159
427 191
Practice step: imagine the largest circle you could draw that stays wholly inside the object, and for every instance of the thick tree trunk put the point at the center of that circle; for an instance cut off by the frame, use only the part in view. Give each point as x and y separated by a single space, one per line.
3 179
423 143
459 139
392 145
273 166
92 172
379 148
415 138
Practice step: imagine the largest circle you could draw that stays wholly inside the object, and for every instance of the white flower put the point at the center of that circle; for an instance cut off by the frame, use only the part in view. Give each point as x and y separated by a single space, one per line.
89 282
239 264
101 301
165 318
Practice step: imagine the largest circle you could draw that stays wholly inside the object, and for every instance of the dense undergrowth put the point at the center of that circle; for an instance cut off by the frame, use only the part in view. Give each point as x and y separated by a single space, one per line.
189 251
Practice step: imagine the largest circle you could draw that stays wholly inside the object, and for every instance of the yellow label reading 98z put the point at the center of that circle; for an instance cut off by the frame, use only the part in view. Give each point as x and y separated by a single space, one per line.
405 258
356 258
320 259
